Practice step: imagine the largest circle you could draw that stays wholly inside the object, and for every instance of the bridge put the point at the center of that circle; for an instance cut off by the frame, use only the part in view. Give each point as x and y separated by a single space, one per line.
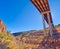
51 39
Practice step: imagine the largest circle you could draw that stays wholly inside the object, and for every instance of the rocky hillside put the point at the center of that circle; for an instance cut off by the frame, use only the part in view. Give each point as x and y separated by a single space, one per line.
32 40
29 40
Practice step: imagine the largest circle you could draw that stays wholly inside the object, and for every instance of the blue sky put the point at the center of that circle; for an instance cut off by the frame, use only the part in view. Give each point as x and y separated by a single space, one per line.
21 15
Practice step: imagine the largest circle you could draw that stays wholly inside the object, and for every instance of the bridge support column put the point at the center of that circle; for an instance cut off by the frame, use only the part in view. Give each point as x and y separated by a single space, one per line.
50 24
44 26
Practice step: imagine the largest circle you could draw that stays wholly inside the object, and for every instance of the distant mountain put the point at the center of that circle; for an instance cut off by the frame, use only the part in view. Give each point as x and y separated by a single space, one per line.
35 32
23 33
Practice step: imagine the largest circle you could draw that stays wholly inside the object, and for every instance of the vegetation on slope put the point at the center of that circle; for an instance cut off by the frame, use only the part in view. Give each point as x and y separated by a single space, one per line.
7 41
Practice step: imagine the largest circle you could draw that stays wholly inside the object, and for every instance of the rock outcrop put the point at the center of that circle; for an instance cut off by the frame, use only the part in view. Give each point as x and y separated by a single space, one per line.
2 27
